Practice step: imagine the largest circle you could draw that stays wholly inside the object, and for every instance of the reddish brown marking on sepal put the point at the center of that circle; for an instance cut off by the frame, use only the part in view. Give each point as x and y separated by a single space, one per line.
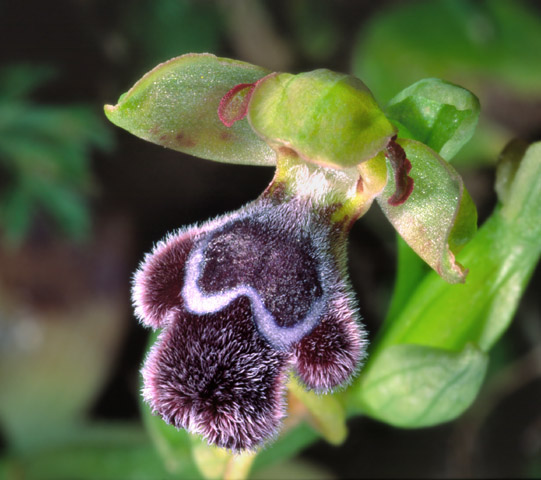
183 141
234 104
226 136
401 167
360 185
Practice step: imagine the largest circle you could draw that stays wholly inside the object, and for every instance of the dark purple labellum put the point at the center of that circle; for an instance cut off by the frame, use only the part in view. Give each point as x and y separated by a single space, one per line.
241 300
215 376
257 259
249 253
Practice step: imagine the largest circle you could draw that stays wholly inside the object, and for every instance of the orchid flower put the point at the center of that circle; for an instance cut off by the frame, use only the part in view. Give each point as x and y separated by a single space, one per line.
251 295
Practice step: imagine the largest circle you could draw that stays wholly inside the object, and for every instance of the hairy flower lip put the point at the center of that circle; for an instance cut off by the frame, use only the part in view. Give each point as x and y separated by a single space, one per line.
186 381
201 351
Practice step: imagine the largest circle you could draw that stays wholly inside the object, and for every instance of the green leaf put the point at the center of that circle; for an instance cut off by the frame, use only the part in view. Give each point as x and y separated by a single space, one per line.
441 115
451 318
16 212
410 270
488 47
439 216
66 206
46 152
288 444
419 386
176 105
327 118
18 81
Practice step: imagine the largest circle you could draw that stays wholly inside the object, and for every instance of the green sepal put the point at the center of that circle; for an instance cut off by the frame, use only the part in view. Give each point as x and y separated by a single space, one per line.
439 317
441 115
327 118
501 258
439 216
418 386
176 105
211 461
327 414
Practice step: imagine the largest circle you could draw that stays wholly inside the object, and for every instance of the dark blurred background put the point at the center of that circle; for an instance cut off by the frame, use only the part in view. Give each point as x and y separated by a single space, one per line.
81 201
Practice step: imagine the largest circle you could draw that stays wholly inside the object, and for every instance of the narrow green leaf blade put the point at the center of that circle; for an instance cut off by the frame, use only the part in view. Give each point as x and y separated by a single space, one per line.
176 105
418 386
438 217
437 113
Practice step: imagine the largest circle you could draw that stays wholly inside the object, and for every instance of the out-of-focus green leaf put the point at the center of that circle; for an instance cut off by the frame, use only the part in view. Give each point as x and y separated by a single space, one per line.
159 29
328 118
315 28
18 81
16 212
488 47
44 150
66 207
418 386
211 461
118 452
287 445
297 469
439 216
441 115
461 40
176 105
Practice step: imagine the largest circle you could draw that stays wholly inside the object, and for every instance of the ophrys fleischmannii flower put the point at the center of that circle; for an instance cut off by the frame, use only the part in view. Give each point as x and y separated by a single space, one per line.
243 299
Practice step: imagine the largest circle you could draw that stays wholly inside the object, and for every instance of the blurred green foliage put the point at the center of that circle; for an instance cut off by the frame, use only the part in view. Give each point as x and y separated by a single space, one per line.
490 48
161 29
44 156
459 40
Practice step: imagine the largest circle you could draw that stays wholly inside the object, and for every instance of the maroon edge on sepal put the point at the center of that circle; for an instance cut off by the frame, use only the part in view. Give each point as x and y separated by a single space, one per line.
401 167
234 104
